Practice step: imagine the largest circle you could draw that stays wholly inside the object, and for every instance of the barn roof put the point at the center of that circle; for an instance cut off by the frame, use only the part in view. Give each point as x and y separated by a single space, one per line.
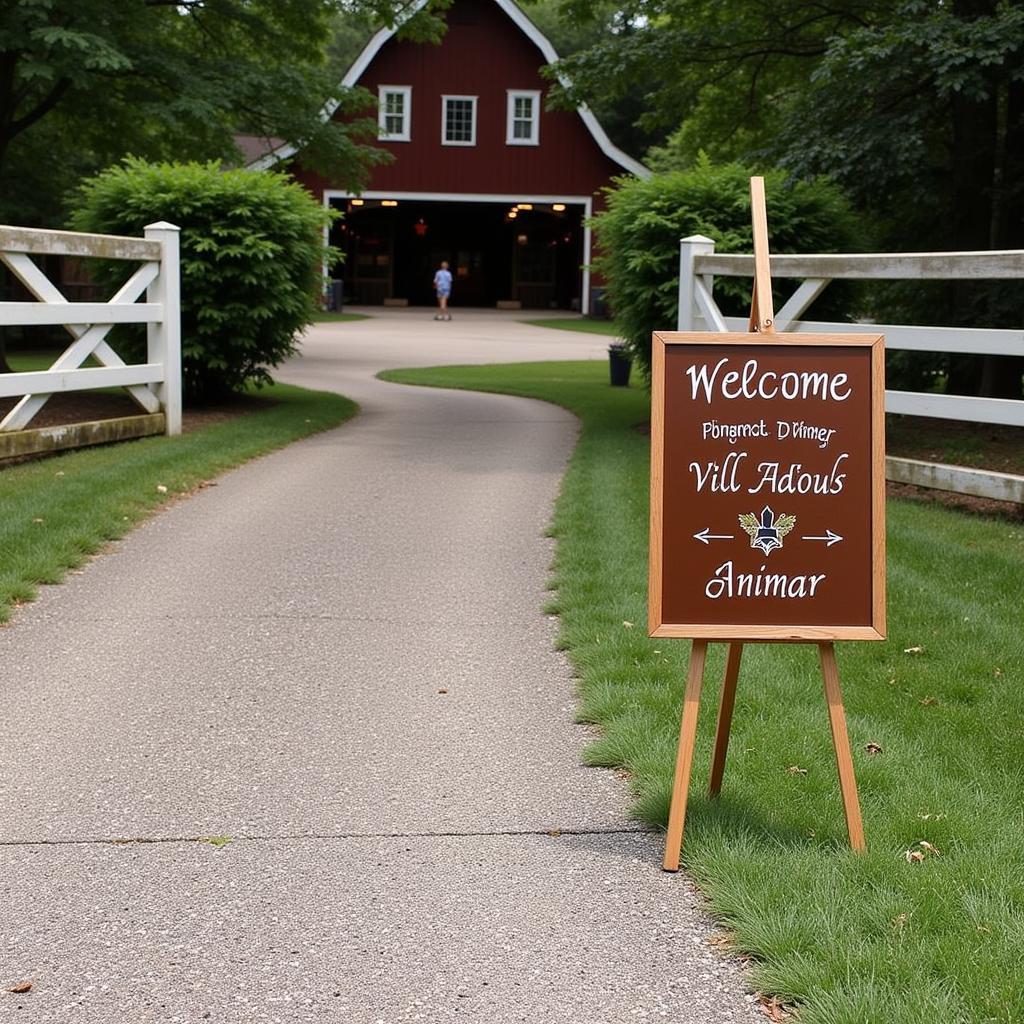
528 28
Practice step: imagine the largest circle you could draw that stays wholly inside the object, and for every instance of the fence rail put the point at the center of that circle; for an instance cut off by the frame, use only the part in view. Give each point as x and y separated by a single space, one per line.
699 265
155 385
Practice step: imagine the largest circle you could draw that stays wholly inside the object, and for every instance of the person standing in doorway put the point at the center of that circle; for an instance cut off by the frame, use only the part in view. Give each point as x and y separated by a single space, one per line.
443 287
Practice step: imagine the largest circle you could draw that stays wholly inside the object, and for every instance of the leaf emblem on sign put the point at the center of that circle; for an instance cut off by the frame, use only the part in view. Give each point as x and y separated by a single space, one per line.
767 532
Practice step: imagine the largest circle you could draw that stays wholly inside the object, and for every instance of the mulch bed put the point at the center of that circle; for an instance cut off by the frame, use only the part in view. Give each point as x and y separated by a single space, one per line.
84 406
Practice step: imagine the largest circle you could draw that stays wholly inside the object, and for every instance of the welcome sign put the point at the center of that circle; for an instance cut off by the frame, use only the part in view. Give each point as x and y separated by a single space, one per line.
767 487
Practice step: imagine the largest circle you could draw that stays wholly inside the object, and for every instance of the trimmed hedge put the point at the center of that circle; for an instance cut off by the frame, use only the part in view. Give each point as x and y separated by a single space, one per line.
639 235
251 255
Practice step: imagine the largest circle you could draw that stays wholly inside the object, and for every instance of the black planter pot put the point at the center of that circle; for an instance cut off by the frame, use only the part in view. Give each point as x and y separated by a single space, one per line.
619 365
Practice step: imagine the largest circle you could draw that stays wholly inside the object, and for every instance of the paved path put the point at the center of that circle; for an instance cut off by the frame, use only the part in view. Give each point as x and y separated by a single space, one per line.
336 658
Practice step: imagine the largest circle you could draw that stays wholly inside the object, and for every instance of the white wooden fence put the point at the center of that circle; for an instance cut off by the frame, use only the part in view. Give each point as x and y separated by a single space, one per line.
699 265
154 385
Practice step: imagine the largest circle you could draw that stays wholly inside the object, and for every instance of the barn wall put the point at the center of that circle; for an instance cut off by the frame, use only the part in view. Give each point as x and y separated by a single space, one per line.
482 54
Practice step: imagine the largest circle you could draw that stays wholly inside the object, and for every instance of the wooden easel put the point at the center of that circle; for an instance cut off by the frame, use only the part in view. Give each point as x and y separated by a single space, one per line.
762 315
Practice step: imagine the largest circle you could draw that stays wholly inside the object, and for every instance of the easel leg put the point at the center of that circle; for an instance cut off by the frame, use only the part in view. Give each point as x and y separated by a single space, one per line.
725 706
841 741
684 757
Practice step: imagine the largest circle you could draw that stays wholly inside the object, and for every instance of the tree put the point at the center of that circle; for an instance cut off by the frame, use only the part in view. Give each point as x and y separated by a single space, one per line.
921 118
639 236
251 248
620 114
916 107
725 64
85 82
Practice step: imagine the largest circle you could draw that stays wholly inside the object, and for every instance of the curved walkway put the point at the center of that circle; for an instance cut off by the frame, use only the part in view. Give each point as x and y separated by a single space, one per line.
333 665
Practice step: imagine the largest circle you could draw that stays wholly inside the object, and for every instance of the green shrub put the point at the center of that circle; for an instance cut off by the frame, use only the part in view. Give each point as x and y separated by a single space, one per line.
639 235
251 254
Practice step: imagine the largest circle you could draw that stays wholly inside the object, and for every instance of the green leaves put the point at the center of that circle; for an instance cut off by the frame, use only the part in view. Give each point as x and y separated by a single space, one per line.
251 252
639 236
85 82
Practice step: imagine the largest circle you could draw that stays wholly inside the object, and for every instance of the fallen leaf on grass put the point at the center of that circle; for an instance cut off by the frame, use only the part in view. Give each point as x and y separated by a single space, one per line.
161 489
899 921
773 1008
873 748
37 519
998 673
795 769
25 986
928 702
925 850
913 650
628 625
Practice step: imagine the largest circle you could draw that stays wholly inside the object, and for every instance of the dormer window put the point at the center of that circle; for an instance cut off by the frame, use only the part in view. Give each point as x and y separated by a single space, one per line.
394 113
458 120
523 121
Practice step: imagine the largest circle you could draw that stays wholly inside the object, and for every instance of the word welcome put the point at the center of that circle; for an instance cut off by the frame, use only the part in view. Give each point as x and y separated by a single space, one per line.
751 382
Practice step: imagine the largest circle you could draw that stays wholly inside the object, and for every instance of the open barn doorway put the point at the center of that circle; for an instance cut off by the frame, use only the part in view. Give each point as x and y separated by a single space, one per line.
526 253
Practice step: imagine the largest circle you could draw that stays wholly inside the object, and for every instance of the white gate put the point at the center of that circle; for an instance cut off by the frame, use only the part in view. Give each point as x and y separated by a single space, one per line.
154 385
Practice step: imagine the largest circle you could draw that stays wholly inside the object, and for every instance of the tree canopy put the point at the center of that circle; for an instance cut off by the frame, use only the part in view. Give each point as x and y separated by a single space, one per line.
913 99
915 107
85 82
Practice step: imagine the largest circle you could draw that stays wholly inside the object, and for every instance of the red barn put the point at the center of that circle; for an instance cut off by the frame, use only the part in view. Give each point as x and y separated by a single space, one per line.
483 177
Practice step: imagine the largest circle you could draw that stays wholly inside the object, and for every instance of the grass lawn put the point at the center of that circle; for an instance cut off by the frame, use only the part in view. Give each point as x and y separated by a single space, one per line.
41 359
583 324
337 318
874 939
60 510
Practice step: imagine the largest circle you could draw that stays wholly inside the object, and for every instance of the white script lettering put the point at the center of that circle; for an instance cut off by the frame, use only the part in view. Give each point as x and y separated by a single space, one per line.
728 583
752 383
795 481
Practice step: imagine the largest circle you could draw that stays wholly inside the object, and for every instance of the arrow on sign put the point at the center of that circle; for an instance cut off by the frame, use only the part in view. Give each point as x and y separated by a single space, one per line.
706 536
830 538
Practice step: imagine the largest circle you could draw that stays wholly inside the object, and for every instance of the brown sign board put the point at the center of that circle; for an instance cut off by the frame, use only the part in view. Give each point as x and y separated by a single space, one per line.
767 487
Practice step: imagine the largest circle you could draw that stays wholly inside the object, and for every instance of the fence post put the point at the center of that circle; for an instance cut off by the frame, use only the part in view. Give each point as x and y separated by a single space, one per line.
164 338
689 249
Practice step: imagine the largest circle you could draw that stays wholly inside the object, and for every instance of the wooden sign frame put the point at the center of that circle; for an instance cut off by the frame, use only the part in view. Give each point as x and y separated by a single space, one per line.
657 626
762 331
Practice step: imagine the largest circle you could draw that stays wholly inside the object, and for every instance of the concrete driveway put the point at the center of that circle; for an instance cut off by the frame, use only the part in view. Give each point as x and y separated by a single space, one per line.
299 748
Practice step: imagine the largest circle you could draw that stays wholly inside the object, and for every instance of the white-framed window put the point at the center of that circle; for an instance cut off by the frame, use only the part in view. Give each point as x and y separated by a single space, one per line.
458 120
394 112
522 125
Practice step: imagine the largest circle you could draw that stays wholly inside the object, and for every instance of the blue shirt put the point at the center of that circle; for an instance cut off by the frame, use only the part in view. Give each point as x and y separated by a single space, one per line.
443 280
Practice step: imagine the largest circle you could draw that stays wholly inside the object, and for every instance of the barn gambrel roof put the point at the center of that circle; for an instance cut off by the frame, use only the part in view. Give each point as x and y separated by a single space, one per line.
528 28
